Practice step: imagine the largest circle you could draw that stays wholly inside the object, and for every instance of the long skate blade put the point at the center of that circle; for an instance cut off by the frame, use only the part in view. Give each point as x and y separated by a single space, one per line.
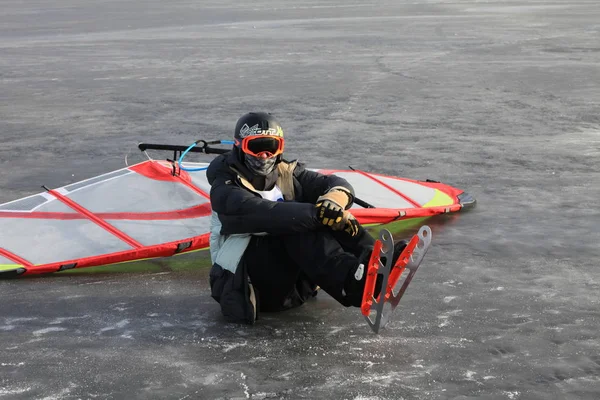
383 307
371 306
416 257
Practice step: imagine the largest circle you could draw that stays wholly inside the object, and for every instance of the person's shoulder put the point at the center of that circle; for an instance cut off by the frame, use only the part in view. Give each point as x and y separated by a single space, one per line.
221 158
217 167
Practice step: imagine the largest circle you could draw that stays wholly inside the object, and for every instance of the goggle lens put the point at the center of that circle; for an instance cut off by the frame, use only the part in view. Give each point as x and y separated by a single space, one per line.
258 146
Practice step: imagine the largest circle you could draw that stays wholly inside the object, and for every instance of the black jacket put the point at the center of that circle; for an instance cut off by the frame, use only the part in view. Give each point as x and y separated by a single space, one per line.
242 211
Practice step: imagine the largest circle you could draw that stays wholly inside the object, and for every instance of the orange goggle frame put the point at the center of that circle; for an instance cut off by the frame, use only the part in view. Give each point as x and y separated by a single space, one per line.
262 146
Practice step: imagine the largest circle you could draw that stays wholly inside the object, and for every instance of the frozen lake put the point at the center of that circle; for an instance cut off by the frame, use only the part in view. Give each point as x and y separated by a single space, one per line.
499 98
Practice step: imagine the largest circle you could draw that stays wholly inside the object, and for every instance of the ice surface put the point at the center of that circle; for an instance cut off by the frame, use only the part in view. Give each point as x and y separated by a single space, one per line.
497 97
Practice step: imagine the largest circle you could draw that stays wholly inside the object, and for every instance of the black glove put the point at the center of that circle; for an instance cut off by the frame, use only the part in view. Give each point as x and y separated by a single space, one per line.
330 207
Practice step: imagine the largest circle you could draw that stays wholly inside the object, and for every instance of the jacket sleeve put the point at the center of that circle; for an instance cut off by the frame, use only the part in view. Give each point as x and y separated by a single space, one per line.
241 211
315 184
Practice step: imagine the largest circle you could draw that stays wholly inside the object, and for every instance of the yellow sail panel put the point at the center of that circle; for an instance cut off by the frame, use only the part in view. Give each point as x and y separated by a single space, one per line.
8 267
439 199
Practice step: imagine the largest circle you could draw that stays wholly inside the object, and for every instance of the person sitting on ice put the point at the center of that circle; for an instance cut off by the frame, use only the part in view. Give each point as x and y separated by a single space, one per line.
279 230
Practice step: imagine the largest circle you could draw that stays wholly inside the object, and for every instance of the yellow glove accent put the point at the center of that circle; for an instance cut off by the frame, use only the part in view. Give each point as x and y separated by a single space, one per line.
348 223
330 207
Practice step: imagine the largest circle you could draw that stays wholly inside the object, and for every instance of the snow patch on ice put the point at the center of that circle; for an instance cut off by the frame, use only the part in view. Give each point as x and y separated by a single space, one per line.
48 330
120 324
446 317
469 375
227 349
71 296
262 395
448 299
120 307
445 321
6 391
285 376
211 379
60 320
61 394
335 330
127 334
368 364
10 321
385 379
245 386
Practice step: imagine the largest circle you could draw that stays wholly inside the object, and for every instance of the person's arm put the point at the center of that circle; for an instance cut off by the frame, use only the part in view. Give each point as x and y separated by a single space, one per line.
315 185
335 196
241 211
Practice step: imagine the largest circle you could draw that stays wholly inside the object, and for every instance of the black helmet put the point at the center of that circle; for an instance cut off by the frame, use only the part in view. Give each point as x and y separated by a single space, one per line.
256 123
259 141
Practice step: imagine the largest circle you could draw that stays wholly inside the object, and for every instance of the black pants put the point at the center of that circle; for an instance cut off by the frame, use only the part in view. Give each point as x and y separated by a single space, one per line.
285 270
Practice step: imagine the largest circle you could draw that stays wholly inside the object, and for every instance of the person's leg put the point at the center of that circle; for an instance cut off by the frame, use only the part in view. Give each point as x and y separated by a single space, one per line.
330 260
285 269
277 279
234 295
358 245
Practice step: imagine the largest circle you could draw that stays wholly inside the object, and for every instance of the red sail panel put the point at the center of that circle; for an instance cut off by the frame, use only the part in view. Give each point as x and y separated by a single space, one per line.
158 171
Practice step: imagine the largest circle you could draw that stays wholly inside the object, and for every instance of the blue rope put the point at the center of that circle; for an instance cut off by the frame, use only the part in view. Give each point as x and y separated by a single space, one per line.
191 147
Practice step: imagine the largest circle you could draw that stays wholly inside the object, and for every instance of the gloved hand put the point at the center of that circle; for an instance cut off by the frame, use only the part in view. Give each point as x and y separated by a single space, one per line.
348 224
330 207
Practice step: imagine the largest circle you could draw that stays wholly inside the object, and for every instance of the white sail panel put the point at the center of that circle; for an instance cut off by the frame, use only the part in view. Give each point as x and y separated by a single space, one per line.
417 192
135 193
44 241
155 232
376 194
5 261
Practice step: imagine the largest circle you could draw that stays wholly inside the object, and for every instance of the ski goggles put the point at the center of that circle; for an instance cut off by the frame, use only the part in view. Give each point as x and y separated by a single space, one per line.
263 146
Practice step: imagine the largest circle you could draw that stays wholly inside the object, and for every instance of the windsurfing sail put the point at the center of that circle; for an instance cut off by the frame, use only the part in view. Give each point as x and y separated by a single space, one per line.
155 209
